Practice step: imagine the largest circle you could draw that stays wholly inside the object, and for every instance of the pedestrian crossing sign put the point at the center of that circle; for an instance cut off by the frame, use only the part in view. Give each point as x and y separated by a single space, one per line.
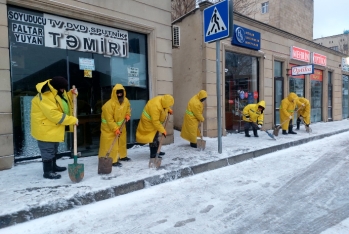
216 22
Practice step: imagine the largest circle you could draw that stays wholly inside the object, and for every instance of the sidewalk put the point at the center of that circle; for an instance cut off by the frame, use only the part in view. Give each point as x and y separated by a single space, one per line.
27 195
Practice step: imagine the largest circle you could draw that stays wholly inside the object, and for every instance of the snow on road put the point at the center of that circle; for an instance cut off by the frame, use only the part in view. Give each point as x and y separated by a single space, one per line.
303 189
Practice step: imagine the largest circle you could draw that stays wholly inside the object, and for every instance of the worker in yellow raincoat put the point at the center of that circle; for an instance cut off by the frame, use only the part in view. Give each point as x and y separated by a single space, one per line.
253 116
114 112
192 117
287 107
154 114
51 116
303 113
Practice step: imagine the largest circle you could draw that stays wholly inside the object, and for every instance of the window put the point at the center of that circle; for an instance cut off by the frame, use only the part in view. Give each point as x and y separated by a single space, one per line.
329 96
334 48
265 7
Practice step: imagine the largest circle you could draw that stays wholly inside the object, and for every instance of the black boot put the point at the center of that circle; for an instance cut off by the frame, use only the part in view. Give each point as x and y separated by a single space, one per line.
194 145
126 159
290 131
153 151
284 132
298 123
255 133
48 170
57 168
246 133
117 164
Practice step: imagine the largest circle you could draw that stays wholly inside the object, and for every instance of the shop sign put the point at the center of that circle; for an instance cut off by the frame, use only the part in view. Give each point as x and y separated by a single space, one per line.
302 70
300 54
345 64
58 32
86 64
319 59
245 37
317 75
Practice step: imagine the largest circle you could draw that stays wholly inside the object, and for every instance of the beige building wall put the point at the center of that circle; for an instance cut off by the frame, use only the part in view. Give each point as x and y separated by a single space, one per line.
335 42
151 17
296 16
275 46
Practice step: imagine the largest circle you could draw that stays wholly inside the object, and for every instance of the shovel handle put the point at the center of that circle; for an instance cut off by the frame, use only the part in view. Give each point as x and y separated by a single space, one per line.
162 137
75 127
116 137
201 129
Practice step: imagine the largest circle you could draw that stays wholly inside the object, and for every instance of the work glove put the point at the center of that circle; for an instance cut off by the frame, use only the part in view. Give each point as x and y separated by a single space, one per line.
117 132
127 117
301 118
303 104
247 117
77 122
164 134
260 126
74 91
170 111
290 116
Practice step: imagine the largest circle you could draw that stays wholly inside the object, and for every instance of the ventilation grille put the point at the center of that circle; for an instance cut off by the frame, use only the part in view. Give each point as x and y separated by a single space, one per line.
175 36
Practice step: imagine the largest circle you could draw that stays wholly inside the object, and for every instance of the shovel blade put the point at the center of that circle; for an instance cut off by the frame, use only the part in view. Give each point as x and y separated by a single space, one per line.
155 162
270 135
76 171
276 131
105 165
201 144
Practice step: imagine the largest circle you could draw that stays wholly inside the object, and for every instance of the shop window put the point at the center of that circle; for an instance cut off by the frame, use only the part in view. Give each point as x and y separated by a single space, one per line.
316 96
296 83
345 104
278 90
241 87
265 7
117 56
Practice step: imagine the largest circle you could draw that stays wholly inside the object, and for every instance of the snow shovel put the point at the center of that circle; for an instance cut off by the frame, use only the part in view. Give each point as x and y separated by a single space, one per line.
277 129
105 163
307 128
156 162
266 131
76 171
200 142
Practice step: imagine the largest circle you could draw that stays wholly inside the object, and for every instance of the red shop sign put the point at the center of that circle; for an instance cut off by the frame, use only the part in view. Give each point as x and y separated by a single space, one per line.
319 59
255 94
300 54
317 75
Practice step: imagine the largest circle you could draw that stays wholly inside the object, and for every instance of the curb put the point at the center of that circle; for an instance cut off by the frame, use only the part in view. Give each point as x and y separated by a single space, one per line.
89 198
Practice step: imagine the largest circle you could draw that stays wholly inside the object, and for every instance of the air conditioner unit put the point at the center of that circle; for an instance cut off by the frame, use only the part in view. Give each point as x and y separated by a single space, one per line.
175 36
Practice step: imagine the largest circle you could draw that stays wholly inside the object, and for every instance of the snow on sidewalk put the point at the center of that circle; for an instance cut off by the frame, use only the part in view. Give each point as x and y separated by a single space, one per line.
23 186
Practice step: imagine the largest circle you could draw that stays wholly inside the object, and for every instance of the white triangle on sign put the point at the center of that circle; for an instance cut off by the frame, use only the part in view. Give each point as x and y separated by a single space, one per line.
216 24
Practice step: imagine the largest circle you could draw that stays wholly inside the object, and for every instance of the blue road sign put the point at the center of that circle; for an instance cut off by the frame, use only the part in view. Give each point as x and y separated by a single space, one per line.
216 22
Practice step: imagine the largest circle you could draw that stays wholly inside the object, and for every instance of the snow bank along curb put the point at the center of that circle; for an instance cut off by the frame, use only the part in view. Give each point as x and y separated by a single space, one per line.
91 197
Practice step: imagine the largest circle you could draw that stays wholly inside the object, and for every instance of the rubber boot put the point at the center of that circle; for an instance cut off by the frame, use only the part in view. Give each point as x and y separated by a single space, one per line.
153 151
57 168
298 123
290 131
255 133
194 145
284 132
246 133
48 170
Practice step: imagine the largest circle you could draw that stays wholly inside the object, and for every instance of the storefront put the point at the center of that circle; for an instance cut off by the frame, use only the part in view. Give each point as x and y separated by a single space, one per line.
92 55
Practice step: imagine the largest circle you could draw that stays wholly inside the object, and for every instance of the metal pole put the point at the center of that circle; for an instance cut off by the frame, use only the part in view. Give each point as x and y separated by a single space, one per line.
218 82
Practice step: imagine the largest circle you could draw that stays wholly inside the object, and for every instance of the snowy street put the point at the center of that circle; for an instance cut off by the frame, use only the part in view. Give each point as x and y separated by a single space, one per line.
303 189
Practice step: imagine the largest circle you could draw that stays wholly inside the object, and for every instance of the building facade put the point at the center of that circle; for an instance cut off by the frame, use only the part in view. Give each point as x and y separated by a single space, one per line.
94 44
336 42
256 64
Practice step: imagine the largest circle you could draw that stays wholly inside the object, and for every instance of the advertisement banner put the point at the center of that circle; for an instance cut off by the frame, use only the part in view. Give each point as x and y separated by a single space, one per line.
246 38
300 54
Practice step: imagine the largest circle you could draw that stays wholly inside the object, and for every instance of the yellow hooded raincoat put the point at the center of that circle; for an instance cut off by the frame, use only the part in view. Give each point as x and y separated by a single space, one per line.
153 115
49 116
254 114
304 110
287 107
113 115
192 117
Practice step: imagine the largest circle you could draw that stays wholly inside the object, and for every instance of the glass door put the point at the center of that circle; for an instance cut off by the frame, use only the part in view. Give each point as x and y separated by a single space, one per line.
279 94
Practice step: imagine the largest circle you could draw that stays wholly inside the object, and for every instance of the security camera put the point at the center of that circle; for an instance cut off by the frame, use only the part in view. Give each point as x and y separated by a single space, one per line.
264 56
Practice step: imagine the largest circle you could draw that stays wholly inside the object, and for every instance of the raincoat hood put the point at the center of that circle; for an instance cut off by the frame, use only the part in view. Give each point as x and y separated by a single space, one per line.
44 86
202 94
304 100
292 97
261 103
113 93
167 101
